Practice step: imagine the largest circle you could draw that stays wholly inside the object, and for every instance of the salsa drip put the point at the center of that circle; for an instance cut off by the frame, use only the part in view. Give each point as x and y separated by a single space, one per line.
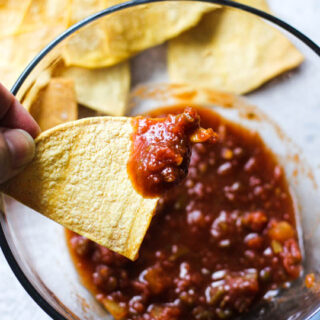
219 241
161 150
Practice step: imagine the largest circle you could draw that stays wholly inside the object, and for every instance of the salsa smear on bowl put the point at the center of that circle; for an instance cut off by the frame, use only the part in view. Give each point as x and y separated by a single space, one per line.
219 241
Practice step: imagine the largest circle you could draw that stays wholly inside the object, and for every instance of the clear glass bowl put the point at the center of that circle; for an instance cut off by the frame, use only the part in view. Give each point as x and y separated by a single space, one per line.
289 106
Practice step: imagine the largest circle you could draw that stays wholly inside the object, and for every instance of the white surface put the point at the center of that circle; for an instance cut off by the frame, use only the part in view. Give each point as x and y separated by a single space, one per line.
15 304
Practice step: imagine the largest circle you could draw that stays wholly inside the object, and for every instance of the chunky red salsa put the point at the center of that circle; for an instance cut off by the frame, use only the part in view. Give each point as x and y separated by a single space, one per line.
161 150
220 240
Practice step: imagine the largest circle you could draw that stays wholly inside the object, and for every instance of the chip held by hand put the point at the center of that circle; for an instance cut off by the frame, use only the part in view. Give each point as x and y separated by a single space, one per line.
80 175
79 179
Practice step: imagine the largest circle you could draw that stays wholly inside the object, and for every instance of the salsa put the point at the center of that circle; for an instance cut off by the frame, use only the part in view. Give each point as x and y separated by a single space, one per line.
219 241
161 150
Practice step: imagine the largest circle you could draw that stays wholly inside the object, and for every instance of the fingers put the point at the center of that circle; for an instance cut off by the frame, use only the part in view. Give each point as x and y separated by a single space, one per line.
17 149
17 130
14 115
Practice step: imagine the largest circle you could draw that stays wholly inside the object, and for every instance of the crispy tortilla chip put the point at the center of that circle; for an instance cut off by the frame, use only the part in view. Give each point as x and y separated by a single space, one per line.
232 51
42 21
14 59
55 104
42 12
12 13
105 90
125 33
80 9
40 82
38 78
79 179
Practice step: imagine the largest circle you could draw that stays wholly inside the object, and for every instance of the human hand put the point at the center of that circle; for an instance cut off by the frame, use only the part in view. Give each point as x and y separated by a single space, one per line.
17 130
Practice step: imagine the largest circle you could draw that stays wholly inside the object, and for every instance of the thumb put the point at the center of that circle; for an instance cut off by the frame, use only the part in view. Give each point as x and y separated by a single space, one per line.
17 149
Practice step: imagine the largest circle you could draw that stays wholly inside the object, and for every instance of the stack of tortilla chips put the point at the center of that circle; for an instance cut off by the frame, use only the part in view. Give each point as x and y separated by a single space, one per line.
209 46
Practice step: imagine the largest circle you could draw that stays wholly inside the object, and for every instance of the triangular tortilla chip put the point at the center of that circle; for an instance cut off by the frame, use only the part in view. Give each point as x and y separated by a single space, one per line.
79 178
105 90
123 34
231 50
55 104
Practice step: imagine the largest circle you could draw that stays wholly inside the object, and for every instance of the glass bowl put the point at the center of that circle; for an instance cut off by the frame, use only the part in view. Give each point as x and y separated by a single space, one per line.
286 118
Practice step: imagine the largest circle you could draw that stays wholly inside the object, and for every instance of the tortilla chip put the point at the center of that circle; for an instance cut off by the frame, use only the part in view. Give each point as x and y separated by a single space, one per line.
12 13
80 9
55 104
105 90
125 33
41 22
33 92
232 51
14 59
42 12
79 179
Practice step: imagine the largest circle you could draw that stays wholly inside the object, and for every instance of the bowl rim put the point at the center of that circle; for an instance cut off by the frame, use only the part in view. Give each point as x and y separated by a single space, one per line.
4 243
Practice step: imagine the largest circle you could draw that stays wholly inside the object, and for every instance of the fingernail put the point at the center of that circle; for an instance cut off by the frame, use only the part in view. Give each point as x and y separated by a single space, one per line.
21 146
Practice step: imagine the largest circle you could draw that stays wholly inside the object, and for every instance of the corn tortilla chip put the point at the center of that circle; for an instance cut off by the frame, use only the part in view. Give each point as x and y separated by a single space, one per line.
42 12
238 52
12 13
38 78
33 92
80 9
123 34
41 22
105 90
55 104
14 59
79 179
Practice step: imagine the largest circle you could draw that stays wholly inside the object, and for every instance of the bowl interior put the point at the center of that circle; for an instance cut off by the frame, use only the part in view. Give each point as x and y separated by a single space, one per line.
286 117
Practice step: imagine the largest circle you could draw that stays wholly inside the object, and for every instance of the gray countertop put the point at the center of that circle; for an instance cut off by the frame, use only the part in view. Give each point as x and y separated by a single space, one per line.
15 303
